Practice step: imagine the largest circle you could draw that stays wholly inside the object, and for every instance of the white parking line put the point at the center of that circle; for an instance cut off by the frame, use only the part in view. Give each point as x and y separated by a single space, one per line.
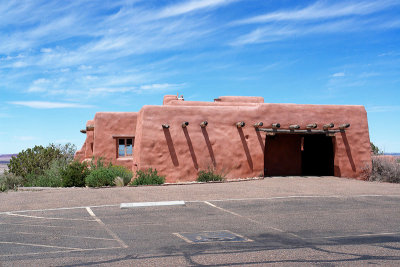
111 233
346 236
55 252
34 245
249 219
151 204
290 197
47 218
71 236
67 208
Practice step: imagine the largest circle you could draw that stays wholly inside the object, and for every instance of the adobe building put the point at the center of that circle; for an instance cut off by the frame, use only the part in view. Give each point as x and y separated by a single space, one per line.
238 136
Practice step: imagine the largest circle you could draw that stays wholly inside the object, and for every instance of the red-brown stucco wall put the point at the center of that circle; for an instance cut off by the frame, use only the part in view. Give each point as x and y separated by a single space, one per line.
180 152
86 152
108 126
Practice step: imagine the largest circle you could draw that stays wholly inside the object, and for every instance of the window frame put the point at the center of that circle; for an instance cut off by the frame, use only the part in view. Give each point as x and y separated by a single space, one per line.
125 138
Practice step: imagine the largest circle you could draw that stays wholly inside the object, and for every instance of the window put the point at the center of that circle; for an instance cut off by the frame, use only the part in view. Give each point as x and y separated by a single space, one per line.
125 147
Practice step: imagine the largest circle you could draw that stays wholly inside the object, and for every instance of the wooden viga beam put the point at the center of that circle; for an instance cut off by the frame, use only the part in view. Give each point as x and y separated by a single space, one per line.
344 126
90 128
258 124
203 124
294 127
311 126
240 124
328 126
185 124
165 126
276 125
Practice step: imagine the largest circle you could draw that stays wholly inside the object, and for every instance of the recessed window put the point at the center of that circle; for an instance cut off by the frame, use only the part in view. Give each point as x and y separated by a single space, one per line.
125 147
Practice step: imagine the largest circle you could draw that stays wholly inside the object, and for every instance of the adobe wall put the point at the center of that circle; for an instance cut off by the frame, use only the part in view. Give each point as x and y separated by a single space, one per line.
220 101
108 126
241 99
180 152
86 152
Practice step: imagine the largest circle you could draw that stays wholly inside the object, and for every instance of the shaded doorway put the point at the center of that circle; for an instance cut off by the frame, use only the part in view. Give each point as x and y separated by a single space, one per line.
297 154
282 155
317 155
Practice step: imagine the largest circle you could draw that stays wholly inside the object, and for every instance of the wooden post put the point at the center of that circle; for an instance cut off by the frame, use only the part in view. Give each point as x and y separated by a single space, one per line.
240 124
344 126
258 124
312 126
203 124
327 126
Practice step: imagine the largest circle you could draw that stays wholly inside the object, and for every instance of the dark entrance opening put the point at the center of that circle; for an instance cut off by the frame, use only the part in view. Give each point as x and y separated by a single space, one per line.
298 154
317 155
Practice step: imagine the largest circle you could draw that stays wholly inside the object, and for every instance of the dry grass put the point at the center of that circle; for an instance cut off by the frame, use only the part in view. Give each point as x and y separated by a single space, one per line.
384 169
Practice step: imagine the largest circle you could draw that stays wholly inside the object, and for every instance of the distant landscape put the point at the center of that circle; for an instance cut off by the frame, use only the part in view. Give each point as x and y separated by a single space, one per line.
4 160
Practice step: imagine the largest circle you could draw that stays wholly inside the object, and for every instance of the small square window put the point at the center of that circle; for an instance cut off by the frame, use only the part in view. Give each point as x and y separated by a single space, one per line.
125 147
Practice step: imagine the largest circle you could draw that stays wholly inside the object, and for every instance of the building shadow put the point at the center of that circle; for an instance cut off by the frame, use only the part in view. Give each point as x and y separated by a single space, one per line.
246 148
209 147
191 150
260 140
348 151
171 148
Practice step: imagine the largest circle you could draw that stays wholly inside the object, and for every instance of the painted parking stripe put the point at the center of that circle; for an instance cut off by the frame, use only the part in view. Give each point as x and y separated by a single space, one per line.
151 204
111 233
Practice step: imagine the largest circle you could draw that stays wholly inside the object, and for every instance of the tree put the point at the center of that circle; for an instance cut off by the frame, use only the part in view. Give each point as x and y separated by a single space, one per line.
375 150
34 161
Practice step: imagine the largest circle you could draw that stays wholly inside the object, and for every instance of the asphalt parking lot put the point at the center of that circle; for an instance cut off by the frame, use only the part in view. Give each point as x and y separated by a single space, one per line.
326 227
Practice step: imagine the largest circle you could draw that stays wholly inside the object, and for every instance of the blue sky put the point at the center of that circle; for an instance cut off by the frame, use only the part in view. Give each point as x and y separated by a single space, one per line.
62 61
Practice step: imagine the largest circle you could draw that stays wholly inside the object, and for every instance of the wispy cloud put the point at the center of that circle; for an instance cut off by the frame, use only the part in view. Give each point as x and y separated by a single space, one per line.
147 88
338 74
379 109
75 45
37 85
322 10
190 6
25 138
319 18
48 105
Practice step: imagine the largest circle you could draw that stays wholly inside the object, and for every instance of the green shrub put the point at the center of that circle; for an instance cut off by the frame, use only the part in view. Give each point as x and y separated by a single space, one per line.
74 174
209 175
50 178
98 163
124 173
34 161
9 181
147 177
100 177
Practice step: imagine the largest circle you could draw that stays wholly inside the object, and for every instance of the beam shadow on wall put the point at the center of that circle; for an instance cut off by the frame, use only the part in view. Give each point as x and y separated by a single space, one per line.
260 140
246 148
171 148
209 147
191 150
348 151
